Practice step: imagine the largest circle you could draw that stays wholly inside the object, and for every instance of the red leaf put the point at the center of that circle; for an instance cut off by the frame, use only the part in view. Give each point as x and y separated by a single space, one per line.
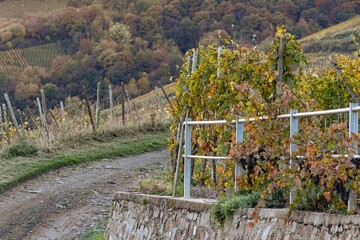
251 225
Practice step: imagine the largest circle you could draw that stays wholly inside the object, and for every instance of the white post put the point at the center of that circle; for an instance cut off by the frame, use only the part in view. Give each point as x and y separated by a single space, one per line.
187 161
218 59
111 107
62 111
239 138
97 111
7 99
294 128
194 61
43 118
189 62
353 128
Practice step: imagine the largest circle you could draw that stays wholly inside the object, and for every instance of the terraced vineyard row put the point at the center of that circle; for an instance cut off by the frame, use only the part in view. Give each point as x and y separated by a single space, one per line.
12 61
40 7
16 60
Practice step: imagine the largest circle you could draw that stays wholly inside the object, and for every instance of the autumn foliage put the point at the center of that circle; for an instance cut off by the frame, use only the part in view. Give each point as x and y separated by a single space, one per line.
249 87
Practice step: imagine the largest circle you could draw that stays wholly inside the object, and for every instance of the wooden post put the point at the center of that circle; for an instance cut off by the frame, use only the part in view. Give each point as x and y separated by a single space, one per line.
43 118
2 129
280 64
62 111
13 115
179 139
53 117
43 104
111 106
97 111
6 123
123 102
166 96
89 110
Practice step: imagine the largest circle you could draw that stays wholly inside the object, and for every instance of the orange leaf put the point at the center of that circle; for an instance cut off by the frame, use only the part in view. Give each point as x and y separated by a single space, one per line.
256 218
327 196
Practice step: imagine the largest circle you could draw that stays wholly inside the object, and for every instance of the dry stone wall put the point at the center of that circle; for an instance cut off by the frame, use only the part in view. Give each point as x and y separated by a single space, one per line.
138 216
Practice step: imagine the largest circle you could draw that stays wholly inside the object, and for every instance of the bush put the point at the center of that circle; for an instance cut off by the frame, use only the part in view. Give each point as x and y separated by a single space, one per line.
225 208
20 149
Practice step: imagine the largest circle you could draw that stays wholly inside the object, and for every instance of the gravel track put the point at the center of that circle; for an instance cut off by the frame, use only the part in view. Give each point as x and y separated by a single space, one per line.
65 203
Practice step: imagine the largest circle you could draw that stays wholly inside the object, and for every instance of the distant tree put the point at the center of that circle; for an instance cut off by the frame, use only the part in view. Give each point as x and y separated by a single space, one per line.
120 33
86 46
29 83
186 34
143 83
6 36
132 88
52 94
33 25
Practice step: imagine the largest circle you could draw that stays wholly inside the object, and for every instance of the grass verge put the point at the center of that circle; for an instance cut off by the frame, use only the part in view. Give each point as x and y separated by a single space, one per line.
16 170
97 233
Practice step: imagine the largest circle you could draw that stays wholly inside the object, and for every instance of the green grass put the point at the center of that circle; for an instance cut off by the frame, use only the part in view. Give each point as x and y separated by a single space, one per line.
16 170
97 233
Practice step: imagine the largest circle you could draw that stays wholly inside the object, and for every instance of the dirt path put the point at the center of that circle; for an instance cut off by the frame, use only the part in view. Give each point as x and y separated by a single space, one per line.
65 203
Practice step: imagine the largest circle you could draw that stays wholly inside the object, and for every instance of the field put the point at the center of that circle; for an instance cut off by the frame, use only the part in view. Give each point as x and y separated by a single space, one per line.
40 7
337 38
16 60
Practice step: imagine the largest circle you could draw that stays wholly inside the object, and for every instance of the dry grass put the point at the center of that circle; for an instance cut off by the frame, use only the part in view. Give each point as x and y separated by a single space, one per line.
334 31
337 38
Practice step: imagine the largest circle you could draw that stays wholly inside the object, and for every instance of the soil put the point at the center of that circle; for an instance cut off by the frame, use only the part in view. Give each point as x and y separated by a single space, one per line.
65 203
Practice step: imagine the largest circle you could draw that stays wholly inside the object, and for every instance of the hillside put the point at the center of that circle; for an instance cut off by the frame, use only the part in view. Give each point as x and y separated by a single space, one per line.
137 42
337 38
18 8
320 47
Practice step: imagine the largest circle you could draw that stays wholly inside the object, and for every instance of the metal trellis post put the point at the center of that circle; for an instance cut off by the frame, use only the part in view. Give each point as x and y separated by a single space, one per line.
239 138
294 128
187 160
353 128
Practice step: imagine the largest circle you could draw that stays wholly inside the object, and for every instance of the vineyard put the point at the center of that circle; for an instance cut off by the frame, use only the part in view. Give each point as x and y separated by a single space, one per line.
48 128
234 82
15 60
320 60
9 9
337 38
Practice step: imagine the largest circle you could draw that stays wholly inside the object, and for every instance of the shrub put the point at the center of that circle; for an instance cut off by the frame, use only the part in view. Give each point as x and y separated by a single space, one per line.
225 208
20 149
